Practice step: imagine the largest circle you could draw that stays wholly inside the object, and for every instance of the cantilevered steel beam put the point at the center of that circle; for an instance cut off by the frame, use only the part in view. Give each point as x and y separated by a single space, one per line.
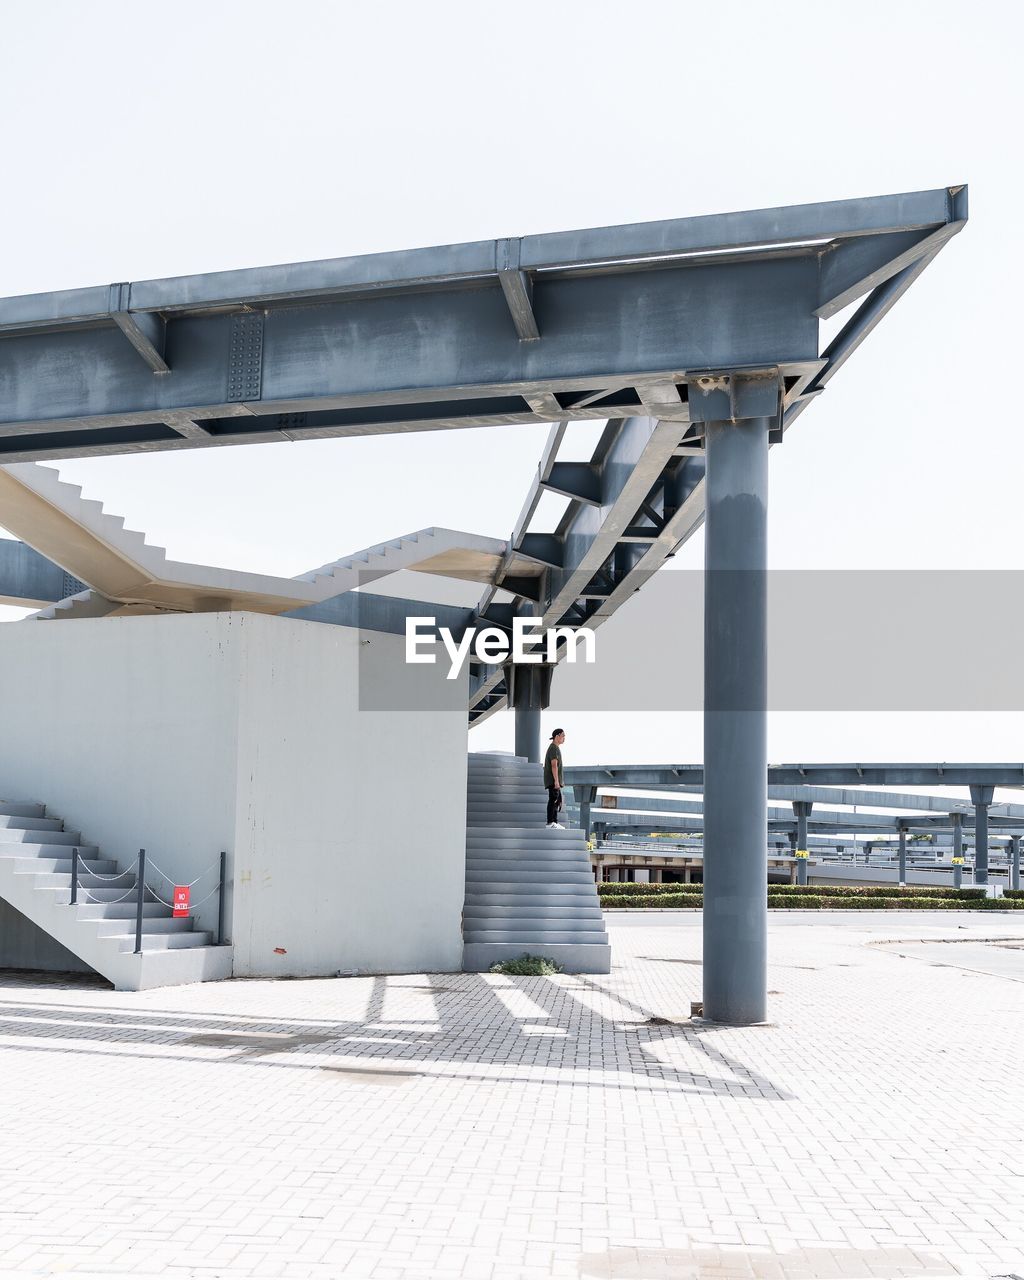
604 321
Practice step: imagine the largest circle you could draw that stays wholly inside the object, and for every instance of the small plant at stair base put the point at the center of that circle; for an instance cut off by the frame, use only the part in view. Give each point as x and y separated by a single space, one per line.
526 966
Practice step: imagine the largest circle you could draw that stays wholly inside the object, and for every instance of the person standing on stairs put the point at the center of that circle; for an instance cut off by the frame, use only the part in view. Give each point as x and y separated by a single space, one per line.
553 777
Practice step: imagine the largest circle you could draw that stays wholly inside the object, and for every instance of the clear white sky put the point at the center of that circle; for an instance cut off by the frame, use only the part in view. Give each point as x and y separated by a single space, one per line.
145 140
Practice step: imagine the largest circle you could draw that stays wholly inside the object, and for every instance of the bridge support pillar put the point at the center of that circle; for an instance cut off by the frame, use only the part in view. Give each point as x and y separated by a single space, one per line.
528 733
903 856
529 692
981 798
958 849
585 797
1014 853
738 415
802 809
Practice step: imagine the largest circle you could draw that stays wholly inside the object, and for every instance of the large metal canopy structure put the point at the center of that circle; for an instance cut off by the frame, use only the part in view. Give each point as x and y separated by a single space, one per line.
697 340
599 323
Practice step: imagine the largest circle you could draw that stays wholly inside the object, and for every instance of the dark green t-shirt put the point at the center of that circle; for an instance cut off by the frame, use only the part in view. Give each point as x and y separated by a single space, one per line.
553 753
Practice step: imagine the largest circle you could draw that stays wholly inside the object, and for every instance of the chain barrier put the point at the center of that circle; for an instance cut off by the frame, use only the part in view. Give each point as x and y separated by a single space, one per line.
150 889
213 892
192 906
84 870
188 884
138 891
105 902
102 875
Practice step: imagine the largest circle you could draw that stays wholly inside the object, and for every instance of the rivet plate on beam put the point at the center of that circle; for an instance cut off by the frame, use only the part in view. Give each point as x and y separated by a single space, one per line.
245 361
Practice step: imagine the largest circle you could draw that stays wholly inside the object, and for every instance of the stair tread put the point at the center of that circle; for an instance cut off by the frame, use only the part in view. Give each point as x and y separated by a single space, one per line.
164 941
21 809
558 923
65 849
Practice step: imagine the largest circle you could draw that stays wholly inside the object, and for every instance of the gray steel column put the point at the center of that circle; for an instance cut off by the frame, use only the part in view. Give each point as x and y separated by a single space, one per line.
529 692
735 721
585 797
903 855
528 733
802 809
1014 862
981 798
958 850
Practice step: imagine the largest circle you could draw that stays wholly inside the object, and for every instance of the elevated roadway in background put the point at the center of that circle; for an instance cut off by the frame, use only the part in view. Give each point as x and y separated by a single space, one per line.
669 776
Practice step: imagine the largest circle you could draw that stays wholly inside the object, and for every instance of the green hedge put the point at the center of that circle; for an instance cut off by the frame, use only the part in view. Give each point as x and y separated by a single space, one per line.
610 889
653 900
813 902
871 891
1013 893
626 889
819 902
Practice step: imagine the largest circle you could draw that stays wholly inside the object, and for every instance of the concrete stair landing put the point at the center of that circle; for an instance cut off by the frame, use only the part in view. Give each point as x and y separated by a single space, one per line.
528 888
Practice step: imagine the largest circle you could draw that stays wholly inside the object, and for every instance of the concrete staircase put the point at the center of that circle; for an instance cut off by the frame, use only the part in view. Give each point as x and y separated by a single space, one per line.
528 888
129 575
86 604
447 552
35 879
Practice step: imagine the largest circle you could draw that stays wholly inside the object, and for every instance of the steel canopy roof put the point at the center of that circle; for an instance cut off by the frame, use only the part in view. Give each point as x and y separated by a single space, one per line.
614 323
605 322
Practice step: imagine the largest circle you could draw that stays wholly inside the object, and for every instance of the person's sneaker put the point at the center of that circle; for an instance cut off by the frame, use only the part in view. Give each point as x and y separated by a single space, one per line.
558 826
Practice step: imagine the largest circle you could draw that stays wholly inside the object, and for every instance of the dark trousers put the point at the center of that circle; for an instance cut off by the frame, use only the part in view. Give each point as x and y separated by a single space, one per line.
554 803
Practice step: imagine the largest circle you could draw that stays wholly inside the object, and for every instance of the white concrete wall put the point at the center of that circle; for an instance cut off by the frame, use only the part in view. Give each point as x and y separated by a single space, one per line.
351 829
126 728
189 734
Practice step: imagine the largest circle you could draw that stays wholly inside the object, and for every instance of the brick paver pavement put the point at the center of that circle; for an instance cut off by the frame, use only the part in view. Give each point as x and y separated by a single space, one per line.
476 1126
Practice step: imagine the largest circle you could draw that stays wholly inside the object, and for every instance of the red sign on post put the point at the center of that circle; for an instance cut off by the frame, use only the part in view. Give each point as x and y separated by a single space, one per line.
181 898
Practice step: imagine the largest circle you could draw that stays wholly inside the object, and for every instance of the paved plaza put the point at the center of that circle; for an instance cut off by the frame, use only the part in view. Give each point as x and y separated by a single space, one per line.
463 1125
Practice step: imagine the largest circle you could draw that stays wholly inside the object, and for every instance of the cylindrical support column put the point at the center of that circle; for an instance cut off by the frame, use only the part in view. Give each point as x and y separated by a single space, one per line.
528 688
528 733
802 809
981 798
958 849
903 856
981 844
735 722
585 797
1014 852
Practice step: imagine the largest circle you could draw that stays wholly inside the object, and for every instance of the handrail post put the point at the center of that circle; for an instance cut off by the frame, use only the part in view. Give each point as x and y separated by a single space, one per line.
220 898
74 877
141 893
